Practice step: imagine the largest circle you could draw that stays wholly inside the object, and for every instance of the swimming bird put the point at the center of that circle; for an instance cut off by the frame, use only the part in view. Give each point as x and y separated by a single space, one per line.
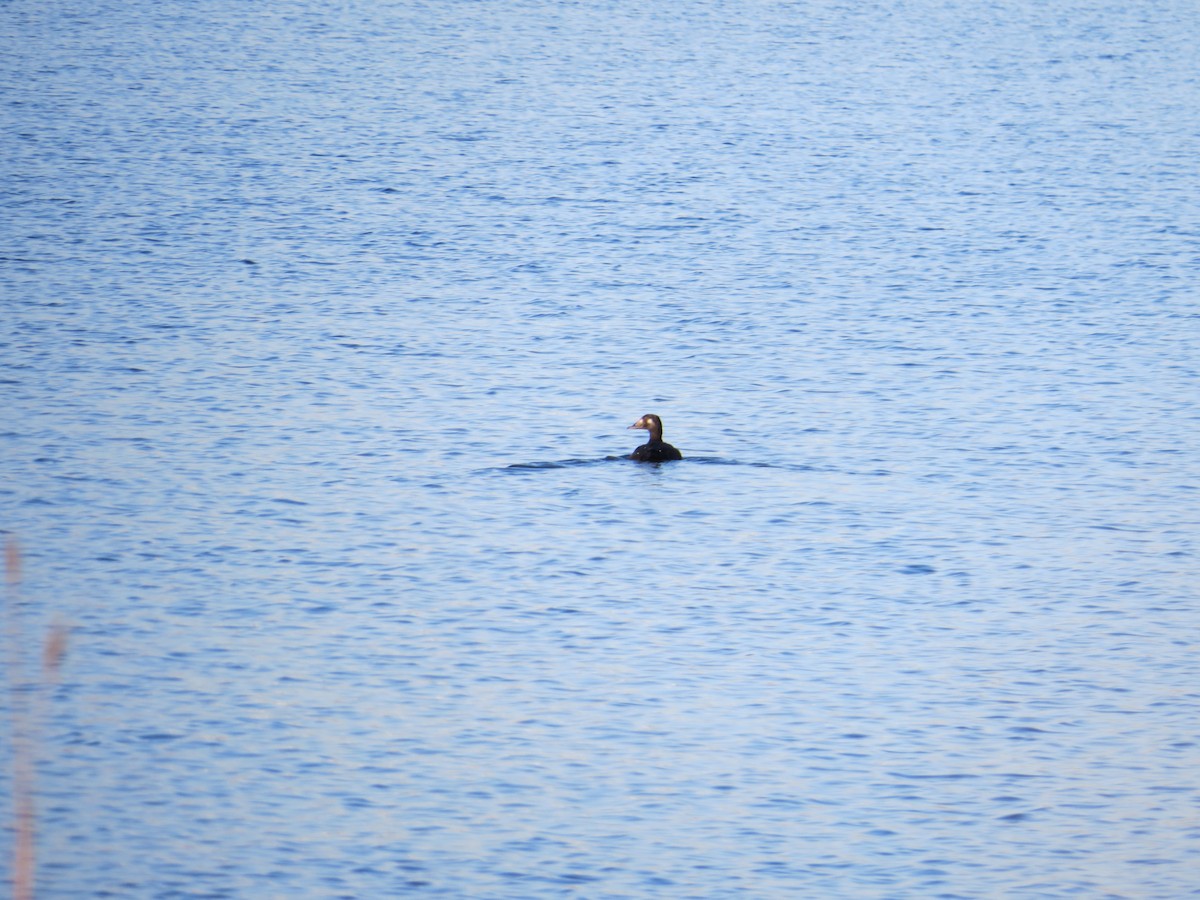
655 449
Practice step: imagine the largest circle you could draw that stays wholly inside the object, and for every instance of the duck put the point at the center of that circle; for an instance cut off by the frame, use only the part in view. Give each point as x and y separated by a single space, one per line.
655 449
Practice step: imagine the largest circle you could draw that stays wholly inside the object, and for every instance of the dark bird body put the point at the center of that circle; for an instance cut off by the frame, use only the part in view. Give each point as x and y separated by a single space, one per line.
655 449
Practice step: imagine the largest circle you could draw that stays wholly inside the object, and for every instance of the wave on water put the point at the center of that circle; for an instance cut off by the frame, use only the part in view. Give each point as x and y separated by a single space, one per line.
692 460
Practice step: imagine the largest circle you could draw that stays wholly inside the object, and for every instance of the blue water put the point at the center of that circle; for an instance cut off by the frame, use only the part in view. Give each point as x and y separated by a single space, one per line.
322 327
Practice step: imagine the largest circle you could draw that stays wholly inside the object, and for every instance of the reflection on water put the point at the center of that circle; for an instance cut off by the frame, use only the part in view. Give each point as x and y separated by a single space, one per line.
913 618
